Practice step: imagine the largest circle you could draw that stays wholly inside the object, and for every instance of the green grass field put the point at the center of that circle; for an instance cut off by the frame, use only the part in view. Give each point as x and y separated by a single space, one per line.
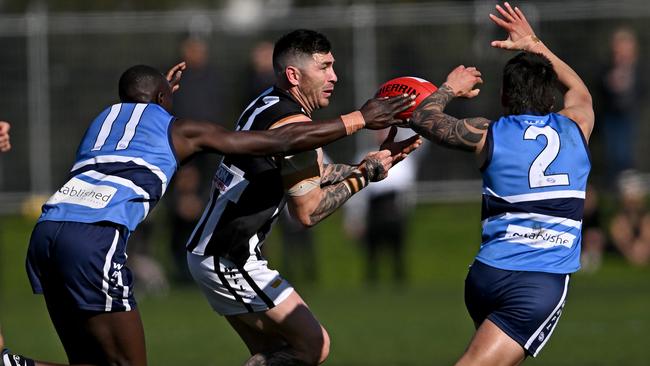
606 321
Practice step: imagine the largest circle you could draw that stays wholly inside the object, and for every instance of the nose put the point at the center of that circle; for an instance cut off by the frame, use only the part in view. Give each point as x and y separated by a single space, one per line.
332 77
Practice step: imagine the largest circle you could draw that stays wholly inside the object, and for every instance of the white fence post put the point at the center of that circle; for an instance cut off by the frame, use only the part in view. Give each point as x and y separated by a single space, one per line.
38 91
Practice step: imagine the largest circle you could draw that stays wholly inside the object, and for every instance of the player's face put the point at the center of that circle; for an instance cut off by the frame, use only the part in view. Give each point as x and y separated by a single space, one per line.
318 79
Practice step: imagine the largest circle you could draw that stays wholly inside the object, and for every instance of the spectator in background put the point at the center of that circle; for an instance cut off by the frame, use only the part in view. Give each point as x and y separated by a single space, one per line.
378 215
5 144
152 279
199 99
622 89
187 206
593 236
630 227
262 75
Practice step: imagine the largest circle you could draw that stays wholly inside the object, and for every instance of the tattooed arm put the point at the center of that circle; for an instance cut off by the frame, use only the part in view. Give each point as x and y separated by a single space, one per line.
335 173
374 168
430 121
313 199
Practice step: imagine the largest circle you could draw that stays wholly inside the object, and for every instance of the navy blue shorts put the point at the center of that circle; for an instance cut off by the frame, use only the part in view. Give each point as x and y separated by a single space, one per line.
82 265
525 305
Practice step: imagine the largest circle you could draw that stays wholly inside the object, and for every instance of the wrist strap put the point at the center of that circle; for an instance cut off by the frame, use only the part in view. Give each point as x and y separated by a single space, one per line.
353 122
355 183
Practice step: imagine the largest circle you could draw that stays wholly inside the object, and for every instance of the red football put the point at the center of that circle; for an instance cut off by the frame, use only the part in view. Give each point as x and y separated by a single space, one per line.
409 85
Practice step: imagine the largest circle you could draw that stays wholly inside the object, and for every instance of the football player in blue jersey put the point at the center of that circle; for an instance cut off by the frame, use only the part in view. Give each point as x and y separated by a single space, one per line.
77 252
535 165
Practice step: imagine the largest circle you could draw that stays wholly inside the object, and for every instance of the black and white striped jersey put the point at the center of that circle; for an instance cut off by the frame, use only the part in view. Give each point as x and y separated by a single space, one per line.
247 193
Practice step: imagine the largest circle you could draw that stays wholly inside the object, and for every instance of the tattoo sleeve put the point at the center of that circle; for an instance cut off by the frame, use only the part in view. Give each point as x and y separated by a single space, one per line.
432 123
335 173
333 197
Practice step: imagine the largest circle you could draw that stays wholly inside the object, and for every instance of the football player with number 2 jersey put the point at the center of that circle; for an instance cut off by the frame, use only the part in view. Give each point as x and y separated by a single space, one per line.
535 165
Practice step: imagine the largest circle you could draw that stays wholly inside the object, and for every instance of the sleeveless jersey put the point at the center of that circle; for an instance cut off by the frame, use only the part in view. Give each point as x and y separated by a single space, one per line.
534 183
122 168
247 192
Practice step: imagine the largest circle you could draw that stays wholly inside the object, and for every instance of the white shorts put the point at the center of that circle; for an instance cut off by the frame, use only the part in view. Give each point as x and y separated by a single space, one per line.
231 290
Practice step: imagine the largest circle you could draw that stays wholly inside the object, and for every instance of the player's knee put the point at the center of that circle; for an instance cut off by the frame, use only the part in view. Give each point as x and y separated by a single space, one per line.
325 348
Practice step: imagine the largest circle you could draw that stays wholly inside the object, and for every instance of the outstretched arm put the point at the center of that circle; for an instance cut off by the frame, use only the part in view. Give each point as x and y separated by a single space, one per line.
335 173
191 137
577 100
430 121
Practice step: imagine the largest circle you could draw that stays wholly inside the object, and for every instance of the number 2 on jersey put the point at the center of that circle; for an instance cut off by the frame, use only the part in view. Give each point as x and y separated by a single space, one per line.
537 177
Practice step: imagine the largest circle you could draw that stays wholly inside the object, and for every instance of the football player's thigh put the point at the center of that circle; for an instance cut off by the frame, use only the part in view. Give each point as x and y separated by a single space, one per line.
490 346
100 338
79 345
290 321
257 341
121 336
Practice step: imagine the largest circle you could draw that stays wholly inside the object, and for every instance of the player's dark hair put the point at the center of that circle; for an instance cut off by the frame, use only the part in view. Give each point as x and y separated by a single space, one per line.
530 84
140 84
298 43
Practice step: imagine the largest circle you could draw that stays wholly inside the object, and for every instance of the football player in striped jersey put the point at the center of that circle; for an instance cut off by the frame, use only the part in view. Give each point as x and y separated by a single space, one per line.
249 192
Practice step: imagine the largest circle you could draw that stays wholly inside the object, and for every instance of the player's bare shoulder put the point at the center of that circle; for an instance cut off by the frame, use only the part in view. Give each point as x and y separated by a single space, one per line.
583 116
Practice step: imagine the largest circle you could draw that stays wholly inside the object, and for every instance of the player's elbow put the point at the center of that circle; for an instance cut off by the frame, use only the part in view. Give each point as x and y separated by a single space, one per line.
306 220
587 99
303 216
294 143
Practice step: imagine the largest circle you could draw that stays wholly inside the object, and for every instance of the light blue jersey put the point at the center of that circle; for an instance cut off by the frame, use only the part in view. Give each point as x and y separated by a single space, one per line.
122 168
534 185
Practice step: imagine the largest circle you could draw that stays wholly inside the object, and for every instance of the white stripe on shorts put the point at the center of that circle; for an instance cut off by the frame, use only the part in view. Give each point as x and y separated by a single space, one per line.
237 295
125 292
107 267
541 327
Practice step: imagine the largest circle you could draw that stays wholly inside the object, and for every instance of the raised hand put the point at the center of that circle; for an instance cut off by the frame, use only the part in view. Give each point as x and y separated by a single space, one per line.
399 150
379 113
520 34
174 75
376 164
462 80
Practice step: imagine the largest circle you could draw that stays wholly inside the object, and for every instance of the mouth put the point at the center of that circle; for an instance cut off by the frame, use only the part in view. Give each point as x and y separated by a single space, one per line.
328 92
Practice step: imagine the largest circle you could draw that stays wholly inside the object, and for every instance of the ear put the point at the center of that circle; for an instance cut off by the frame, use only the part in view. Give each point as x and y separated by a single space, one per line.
293 75
160 98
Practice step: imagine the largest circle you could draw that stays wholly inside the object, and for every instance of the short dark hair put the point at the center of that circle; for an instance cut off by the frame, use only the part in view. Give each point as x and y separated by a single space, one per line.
297 43
530 84
140 84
